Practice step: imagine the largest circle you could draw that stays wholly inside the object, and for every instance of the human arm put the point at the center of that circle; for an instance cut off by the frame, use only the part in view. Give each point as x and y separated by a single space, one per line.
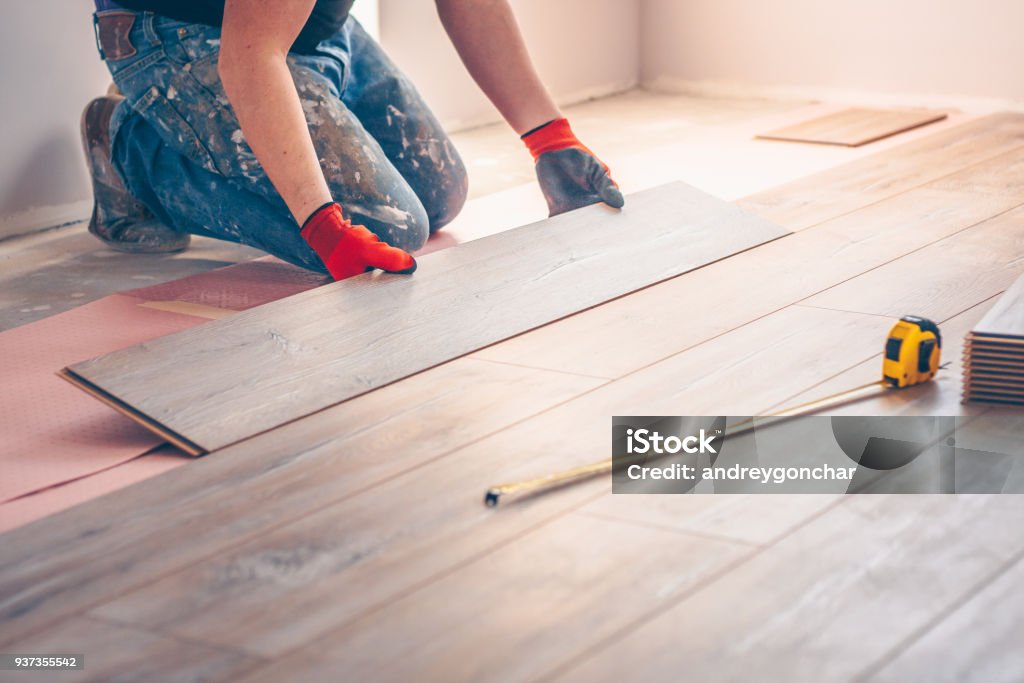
488 39
254 71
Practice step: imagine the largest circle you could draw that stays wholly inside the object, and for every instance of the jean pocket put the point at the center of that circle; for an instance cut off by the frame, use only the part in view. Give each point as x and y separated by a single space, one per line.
175 130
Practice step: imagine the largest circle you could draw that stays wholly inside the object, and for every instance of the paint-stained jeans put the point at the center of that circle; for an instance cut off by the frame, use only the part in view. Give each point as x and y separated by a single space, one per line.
179 148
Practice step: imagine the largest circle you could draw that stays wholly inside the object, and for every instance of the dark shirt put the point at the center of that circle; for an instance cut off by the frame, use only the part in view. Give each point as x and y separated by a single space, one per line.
326 19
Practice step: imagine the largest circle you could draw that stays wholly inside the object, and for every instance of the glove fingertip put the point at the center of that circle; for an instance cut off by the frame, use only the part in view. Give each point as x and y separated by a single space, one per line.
612 196
410 270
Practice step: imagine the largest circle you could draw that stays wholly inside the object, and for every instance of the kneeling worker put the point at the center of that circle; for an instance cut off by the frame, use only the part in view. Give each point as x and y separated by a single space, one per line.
284 126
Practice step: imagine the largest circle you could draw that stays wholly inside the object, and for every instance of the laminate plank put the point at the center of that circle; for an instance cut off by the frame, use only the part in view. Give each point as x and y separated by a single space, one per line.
627 334
941 279
974 382
978 642
854 127
519 610
1006 319
990 452
298 583
1003 175
985 373
1011 344
69 561
992 357
746 518
994 394
808 201
262 368
825 601
122 654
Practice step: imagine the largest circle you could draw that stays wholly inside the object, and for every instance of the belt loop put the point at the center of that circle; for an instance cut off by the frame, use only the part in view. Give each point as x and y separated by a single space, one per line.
96 35
149 27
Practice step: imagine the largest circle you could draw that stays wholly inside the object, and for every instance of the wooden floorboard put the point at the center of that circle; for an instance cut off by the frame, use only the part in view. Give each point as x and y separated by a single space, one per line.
744 518
68 562
825 602
942 279
627 334
1004 320
977 642
123 653
559 578
319 543
366 551
808 201
853 127
264 367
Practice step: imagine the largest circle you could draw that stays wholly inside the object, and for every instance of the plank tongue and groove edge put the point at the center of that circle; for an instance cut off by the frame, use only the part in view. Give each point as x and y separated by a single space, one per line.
230 379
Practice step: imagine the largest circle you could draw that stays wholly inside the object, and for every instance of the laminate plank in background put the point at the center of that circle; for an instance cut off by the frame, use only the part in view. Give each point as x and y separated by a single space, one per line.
262 368
854 127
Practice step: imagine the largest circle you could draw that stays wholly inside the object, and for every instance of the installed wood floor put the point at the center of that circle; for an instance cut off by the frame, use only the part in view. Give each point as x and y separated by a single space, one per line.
353 545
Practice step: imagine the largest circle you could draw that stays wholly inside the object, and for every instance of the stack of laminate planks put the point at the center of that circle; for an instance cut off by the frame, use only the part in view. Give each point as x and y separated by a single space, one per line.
994 352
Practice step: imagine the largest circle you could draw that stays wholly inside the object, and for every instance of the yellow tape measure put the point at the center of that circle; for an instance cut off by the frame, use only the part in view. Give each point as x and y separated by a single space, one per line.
912 354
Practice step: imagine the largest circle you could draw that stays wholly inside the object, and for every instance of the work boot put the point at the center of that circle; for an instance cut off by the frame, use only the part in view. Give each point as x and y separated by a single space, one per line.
118 219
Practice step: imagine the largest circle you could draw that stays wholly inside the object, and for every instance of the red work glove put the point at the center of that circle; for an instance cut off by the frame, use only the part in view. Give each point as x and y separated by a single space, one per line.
348 249
570 175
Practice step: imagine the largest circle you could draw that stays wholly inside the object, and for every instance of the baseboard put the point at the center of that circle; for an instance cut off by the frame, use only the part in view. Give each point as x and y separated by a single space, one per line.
741 90
40 218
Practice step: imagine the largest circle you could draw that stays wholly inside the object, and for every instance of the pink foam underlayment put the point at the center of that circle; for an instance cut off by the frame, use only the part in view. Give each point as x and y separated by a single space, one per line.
50 431
25 509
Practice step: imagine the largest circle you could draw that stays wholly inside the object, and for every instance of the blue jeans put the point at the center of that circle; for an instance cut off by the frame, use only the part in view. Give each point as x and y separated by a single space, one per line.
180 150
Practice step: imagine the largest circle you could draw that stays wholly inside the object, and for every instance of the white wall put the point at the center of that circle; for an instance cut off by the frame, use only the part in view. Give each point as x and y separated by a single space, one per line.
928 51
49 70
582 49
